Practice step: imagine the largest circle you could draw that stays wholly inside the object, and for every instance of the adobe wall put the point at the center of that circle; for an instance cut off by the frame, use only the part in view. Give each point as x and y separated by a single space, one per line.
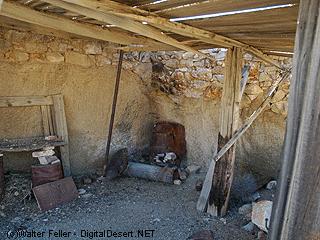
175 86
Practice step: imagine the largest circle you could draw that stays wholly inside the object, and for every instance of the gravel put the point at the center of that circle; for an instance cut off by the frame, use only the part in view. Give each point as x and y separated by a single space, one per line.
125 204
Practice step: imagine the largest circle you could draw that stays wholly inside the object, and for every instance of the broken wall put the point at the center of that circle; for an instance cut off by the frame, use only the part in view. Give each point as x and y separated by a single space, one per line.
177 86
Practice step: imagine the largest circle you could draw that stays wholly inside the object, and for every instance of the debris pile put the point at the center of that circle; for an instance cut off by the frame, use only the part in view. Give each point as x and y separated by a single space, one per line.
48 185
259 211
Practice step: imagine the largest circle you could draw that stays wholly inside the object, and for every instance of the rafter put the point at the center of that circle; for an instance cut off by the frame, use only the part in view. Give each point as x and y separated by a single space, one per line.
124 23
26 14
118 9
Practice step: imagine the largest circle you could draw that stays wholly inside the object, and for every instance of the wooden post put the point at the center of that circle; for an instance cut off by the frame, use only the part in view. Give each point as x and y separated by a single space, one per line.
296 211
229 115
62 131
113 108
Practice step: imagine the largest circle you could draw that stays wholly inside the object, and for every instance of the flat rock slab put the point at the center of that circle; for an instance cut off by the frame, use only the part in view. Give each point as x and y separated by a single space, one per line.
261 214
52 194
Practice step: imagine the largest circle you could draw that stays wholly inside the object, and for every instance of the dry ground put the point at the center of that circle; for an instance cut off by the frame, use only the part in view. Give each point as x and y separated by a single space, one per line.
126 204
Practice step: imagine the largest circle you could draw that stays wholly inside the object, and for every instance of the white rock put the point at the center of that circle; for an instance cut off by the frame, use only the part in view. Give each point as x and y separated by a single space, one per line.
81 191
271 185
56 161
87 195
261 214
55 57
177 182
246 210
193 168
93 48
48 159
43 153
187 55
223 220
248 227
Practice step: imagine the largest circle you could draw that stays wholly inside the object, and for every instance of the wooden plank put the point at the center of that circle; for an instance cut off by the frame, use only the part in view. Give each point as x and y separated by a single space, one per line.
289 26
28 144
267 16
164 24
25 101
218 6
62 131
204 196
127 24
296 212
50 121
162 6
26 14
229 115
50 195
45 120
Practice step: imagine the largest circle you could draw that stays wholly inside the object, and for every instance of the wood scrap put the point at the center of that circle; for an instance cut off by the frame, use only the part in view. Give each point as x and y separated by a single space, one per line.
204 196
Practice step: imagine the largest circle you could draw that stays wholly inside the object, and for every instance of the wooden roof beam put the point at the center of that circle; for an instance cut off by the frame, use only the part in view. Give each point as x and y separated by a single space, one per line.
25 14
118 9
124 23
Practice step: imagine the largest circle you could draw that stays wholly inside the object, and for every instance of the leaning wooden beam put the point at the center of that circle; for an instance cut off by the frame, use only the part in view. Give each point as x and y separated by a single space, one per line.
26 14
296 212
207 185
113 107
124 23
123 10
229 117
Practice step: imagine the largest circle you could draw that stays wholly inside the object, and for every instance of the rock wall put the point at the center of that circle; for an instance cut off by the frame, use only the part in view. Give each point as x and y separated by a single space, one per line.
191 88
177 86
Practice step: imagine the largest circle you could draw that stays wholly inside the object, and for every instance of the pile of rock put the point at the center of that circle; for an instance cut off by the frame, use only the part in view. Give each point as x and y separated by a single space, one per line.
259 211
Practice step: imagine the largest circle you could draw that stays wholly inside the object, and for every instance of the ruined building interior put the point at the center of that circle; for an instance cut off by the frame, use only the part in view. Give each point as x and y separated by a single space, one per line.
189 119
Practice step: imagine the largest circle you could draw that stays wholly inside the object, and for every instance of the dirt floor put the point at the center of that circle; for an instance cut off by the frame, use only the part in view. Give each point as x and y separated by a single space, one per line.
125 205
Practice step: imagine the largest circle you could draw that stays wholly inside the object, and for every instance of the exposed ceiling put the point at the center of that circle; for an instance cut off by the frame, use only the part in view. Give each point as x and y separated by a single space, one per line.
258 26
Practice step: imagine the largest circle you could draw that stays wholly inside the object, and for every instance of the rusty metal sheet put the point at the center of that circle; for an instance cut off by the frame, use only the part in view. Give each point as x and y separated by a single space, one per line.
52 194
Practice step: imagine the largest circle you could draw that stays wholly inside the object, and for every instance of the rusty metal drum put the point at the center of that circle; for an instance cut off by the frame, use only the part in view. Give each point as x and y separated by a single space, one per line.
168 137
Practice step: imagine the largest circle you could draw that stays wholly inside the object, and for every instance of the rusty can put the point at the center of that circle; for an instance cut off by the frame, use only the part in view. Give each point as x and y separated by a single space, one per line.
2 183
42 174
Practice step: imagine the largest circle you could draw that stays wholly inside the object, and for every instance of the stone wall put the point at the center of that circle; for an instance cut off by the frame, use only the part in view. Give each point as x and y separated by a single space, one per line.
194 85
176 86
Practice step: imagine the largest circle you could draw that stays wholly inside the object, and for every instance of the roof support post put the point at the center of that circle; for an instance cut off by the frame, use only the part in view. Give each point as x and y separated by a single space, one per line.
229 116
296 211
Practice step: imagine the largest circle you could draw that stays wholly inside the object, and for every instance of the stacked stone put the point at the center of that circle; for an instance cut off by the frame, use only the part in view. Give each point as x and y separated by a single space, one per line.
185 74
